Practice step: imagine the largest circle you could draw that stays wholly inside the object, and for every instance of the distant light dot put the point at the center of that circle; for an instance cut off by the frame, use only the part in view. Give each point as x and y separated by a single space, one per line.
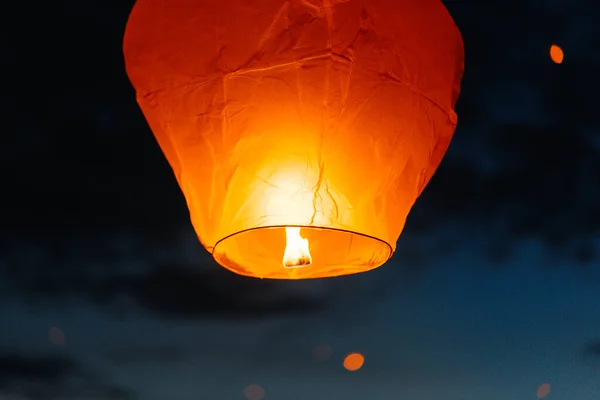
354 361
254 392
556 54
56 336
323 353
543 390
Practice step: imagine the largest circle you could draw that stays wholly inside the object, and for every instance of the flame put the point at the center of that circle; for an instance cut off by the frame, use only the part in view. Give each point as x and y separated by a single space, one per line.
296 252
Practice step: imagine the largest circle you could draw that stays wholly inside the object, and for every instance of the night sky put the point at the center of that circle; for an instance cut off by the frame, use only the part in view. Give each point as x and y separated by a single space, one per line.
494 291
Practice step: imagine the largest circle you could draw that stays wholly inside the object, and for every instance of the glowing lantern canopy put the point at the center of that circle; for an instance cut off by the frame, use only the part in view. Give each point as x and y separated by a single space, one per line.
301 132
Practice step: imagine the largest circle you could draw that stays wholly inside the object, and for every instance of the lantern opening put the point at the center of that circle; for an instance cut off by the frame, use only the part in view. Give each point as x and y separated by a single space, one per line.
297 252
258 252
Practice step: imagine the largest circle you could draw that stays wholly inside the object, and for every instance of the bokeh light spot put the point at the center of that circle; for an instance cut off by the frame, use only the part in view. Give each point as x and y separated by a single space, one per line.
254 392
543 390
323 353
56 336
354 361
556 54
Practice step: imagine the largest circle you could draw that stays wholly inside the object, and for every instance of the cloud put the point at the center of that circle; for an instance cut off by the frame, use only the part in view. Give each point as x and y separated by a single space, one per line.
53 377
180 292
540 184
135 354
177 291
592 349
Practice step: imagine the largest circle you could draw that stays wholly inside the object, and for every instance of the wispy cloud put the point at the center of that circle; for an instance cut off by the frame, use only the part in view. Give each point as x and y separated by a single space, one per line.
53 377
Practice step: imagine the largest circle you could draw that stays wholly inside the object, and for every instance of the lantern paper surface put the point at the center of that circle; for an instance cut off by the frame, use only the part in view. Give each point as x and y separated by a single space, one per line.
301 132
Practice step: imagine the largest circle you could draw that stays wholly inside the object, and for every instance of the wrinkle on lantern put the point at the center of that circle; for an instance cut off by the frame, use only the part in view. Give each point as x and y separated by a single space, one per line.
288 196
330 116
243 71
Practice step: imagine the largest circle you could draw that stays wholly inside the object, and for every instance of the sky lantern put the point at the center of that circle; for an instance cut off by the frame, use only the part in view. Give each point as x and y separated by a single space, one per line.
354 361
543 390
556 54
301 132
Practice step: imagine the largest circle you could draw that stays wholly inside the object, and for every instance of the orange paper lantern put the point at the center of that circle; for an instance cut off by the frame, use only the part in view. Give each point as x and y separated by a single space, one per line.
354 361
301 132
556 54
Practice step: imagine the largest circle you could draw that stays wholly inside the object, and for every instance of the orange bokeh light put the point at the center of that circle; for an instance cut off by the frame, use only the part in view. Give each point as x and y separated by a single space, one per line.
56 336
556 54
543 390
354 361
254 392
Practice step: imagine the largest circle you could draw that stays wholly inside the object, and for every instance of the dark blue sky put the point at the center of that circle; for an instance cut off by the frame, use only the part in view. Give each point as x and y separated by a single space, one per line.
493 291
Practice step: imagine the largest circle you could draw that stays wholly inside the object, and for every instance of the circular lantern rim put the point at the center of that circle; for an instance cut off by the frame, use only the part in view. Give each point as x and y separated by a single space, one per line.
312 227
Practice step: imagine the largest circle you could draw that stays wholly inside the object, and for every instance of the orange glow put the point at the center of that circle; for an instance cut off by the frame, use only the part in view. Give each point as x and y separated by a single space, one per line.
556 54
300 132
254 392
354 361
56 336
543 390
